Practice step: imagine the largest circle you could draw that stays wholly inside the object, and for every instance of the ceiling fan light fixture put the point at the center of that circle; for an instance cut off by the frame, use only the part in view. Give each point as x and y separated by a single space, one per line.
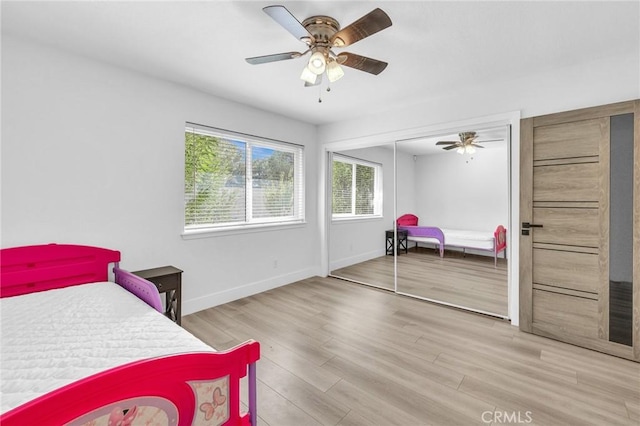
308 76
470 149
317 62
334 71
321 33
460 150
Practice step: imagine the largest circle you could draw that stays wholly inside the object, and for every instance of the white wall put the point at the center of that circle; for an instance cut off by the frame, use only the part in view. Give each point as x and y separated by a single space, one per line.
93 154
355 241
600 81
456 192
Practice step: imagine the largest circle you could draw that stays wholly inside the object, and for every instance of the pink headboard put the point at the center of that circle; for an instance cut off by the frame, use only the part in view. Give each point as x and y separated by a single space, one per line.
30 269
407 220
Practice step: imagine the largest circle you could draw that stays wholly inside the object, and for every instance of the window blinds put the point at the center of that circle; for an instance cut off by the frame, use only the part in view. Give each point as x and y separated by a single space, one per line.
232 179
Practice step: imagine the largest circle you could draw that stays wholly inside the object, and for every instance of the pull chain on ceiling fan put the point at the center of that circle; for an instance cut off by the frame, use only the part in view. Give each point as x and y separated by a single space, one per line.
321 34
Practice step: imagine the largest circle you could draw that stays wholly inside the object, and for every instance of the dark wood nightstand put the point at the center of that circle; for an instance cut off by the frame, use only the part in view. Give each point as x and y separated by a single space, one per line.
402 241
168 279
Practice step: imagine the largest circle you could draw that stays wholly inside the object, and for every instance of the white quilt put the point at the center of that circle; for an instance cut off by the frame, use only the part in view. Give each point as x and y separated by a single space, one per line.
53 338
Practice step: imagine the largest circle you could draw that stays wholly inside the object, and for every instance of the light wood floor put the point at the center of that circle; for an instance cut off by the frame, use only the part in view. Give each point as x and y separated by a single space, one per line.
335 353
378 272
470 281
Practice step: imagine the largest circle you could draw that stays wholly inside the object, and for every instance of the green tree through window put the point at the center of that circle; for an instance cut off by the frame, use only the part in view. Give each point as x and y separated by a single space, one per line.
209 164
274 175
356 188
342 187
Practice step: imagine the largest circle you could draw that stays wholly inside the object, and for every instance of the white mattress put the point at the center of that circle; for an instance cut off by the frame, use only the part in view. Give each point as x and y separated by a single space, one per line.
461 238
468 239
53 338
423 240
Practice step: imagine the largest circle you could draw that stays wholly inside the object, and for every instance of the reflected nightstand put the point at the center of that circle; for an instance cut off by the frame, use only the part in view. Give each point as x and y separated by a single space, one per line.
402 241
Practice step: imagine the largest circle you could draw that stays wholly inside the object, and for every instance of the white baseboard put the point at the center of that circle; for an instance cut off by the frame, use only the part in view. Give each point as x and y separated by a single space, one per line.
204 302
363 257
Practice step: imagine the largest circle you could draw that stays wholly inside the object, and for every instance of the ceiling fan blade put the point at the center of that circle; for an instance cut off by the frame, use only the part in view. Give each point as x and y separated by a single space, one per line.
447 148
490 140
282 16
369 24
447 142
362 63
272 58
476 145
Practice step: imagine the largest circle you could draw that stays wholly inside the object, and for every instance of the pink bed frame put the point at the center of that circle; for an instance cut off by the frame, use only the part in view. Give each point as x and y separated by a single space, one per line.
409 223
184 389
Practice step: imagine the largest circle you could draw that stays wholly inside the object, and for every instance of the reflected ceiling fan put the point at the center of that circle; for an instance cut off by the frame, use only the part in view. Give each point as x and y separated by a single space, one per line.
467 143
321 34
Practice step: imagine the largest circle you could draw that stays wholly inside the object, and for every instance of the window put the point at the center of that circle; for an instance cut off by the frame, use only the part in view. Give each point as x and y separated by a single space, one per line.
235 180
356 189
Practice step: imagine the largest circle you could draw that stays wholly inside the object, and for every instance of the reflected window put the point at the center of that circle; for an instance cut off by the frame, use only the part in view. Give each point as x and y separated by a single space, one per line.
356 188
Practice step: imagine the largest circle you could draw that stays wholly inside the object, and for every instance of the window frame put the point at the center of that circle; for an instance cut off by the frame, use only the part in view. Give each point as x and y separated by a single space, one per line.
250 223
378 189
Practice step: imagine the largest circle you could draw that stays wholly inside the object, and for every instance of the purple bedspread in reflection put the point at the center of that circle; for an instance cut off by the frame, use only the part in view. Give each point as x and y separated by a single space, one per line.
426 232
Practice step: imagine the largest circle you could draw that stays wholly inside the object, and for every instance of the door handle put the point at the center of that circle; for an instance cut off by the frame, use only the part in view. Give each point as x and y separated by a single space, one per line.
527 225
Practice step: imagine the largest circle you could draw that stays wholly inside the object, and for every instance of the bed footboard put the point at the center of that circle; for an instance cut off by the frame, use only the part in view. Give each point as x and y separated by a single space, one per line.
177 390
499 243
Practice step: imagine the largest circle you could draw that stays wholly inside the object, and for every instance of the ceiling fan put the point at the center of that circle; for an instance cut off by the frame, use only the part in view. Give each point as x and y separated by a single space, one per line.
466 145
321 34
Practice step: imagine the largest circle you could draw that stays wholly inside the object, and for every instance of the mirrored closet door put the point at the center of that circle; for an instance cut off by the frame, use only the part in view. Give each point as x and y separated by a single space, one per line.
453 209
361 190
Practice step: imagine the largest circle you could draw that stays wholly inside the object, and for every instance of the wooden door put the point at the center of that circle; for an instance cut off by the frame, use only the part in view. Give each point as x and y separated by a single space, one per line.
565 204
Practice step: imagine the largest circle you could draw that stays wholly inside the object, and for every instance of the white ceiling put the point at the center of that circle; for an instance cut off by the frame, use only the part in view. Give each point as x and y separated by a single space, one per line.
432 48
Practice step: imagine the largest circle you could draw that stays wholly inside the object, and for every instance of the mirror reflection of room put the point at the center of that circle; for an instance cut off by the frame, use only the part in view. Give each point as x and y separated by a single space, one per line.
455 219
361 214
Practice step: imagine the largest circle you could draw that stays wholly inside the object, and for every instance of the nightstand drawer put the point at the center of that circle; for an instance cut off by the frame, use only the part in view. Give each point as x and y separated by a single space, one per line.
166 283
